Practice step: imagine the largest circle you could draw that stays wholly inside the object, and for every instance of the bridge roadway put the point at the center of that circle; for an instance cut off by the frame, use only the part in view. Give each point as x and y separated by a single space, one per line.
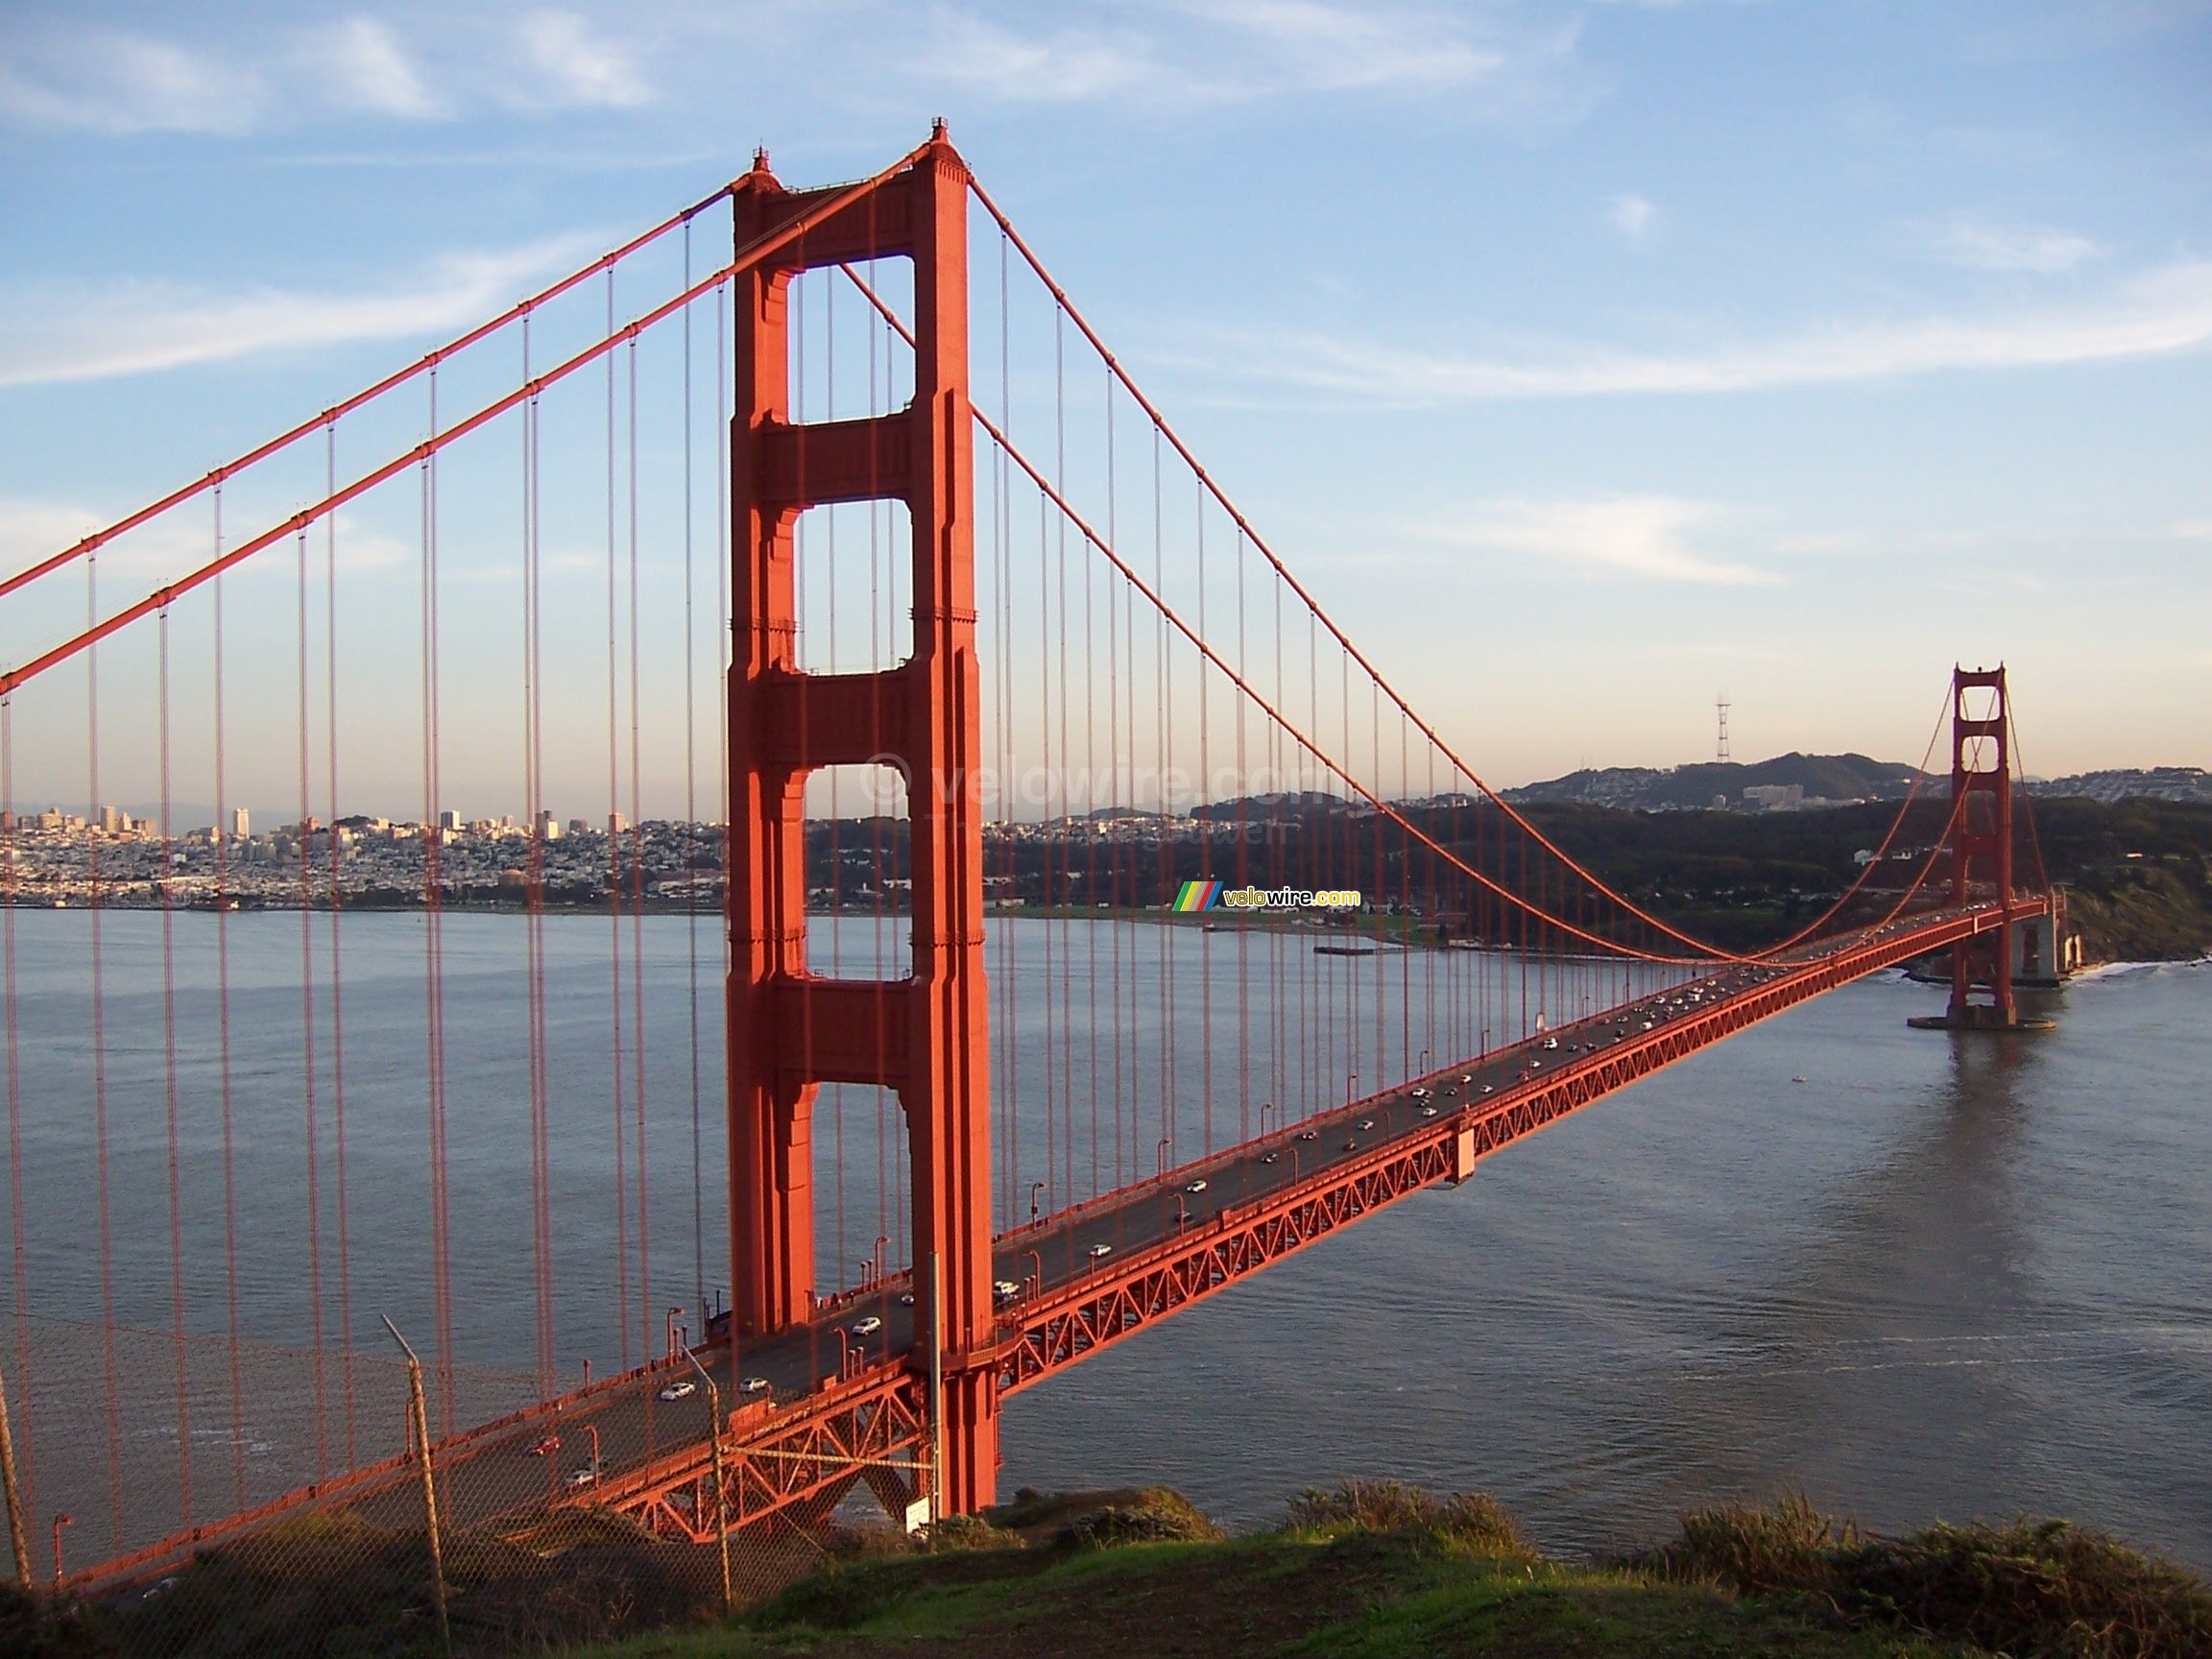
816 1406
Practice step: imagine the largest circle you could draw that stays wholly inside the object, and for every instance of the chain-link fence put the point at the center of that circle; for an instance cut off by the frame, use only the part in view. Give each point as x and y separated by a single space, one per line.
204 1504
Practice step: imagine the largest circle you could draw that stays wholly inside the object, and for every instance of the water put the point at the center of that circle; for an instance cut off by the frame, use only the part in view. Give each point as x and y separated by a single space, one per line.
1937 1277
1940 1277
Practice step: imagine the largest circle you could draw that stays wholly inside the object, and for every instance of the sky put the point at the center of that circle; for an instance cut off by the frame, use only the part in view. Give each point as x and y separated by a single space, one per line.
1586 360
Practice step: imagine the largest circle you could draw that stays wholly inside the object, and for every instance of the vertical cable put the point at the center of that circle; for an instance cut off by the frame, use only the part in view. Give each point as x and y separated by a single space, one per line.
100 1059
615 879
27 1459
433 937
307 1040
337 976
169 1092
223 902
638 898
691 833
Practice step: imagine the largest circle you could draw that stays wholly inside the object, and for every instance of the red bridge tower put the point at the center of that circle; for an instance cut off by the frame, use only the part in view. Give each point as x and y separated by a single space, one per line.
1981 842
790 1031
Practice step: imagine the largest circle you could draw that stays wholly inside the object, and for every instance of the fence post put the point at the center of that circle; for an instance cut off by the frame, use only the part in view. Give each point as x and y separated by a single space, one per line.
15 1534
418 1425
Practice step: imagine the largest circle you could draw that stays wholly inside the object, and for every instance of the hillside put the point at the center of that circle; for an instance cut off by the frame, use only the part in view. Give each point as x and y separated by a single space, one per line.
1387 1572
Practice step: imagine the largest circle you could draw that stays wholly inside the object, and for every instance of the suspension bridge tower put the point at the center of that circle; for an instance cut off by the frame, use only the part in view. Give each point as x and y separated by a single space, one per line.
791 1030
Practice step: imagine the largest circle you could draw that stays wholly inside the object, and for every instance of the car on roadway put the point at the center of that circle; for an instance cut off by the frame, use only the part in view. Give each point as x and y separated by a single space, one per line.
1098 1252
579 1479
1351 1145
1197 1186
1467 1078
867 1327
1427 1111
906 1298
1366 1123
753 1386
1420 1094
1309 1134
546 1447
1004 1289
683 1388
1271 1158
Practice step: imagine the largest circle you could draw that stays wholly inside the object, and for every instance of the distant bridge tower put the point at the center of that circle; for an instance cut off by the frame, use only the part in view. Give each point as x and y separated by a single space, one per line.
1982 843
789 1030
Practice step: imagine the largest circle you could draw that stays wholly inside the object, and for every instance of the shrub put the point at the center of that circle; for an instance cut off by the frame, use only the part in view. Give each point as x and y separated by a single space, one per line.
1472 1517
2046 1588
1157 1516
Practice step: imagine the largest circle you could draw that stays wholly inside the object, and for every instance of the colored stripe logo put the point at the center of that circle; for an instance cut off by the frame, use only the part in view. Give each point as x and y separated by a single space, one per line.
1198 896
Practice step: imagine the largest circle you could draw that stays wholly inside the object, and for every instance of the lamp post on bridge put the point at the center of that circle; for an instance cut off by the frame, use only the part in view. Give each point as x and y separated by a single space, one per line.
59 1522
714 1441
1165 1142
672 1314
1035 1186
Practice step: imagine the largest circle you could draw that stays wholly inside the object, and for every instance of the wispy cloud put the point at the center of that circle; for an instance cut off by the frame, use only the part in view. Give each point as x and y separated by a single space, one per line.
575 67
135 327
1979 245
121 82
2160 312
118 82
1200 53
1644 537
1632 216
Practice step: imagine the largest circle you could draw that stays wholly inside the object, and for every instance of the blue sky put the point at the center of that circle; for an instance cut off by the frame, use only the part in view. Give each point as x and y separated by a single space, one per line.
1585 359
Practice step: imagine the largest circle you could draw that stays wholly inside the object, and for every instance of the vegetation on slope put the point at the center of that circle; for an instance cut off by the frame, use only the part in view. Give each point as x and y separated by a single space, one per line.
1377 1570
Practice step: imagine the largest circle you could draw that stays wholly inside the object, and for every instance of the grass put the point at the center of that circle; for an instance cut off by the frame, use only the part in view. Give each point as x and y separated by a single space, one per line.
1376 1569
1371 1570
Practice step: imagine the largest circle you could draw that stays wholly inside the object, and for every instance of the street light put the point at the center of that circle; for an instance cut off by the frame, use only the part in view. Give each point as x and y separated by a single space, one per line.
672 1312
1035 1257
59 1522
1165 1143
1265 1106
1034 1188
715 1439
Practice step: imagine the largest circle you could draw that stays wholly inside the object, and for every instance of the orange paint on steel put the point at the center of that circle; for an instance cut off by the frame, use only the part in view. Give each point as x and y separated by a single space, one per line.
925 1035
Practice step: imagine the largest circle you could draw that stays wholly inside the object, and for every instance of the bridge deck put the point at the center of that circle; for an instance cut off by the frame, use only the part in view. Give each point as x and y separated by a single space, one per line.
838 1405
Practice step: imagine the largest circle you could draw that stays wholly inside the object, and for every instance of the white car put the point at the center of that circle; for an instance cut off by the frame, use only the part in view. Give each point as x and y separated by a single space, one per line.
1098 1251
753 1386
1004 1289
867 1327
1197 1186
1366 1123
1427 1111
579 1479
1271 1158
1420 1094
683 1388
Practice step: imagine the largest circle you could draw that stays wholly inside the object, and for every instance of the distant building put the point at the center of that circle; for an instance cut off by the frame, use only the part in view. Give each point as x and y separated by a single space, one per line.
548 826
1775 797
241 823
449 821
617 824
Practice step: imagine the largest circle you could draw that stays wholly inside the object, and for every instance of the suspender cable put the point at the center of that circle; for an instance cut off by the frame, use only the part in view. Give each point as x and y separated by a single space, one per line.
337 960
614 884
308 1041
169 1094
100 1066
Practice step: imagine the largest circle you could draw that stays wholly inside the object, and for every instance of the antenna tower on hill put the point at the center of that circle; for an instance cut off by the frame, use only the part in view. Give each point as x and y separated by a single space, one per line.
1721 747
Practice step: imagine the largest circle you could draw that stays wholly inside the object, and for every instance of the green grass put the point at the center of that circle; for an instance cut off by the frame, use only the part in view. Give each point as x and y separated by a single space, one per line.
1380 1571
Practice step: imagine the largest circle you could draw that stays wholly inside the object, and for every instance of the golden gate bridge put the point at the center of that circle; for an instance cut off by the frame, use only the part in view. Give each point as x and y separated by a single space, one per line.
966 757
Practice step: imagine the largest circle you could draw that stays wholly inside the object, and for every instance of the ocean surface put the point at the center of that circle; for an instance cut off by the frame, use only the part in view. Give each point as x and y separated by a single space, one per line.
1914 1274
